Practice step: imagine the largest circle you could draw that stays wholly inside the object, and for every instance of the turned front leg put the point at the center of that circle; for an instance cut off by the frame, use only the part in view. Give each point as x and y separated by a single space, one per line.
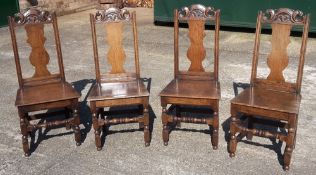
215 130
24 132
165 130
146 125
76 126
290 142
96 127
76 122
233 130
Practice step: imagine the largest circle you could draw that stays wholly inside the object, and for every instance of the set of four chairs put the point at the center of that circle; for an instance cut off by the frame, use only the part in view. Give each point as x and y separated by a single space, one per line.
271 99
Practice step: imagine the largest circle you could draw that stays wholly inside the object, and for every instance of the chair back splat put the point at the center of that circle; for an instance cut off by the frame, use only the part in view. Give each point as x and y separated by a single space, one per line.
281 21
196 16
113 21
34 21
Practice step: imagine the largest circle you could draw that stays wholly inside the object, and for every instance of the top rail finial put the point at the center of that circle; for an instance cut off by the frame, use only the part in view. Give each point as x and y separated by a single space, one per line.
112 15
284 15
33 16
197 11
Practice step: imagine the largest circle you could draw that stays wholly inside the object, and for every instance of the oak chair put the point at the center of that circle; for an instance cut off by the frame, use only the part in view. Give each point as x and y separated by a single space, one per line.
194 87
43 90
272 99
117 87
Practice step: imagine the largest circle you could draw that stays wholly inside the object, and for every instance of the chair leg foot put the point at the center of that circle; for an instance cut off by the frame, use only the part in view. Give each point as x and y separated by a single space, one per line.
27 154
165 143
287 157
232 146
77 135
165 134
97 139
146 135
214 138
25 146
231 155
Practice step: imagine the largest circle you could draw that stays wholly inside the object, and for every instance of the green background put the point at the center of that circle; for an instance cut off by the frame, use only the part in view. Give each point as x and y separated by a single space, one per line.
7 8
236 13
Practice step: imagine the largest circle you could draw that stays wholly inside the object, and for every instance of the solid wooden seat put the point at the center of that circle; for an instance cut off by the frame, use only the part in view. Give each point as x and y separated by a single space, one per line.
43 90
192 89
117 87
31 95
195 87
114 90
271 101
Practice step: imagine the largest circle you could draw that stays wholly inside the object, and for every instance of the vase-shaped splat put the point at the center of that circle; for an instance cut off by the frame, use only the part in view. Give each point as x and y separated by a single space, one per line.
196 52
116 54
278 59
39 57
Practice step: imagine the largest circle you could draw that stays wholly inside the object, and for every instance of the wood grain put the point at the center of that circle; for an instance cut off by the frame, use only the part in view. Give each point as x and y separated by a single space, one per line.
196 52
116 54
39 57
278 59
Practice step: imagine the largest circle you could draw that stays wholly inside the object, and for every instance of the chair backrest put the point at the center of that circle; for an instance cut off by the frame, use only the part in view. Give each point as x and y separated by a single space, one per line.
113 20
34 20
196 16
282 20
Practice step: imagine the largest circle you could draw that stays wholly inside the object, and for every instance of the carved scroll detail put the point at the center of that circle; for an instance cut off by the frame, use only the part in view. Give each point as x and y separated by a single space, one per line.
39 57
112 15
197 11
278 59
283 15
116 54
32 16
196 52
